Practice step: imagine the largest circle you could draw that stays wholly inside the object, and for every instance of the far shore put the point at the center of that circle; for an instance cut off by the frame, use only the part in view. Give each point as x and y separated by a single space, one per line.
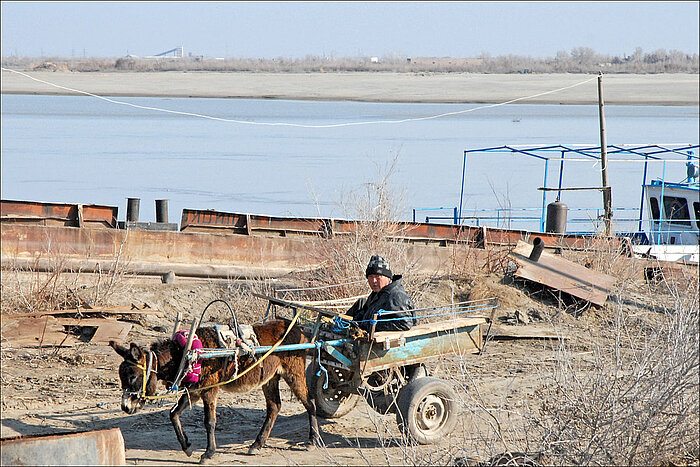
619 89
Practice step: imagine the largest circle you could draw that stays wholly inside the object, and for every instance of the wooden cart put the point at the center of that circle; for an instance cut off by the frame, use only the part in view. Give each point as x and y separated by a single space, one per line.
386 368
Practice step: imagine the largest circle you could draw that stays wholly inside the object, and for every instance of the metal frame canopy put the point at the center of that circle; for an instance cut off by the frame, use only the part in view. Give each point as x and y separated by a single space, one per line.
644 153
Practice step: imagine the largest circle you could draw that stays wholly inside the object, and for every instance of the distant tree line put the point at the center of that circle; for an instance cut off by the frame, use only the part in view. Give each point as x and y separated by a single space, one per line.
578 60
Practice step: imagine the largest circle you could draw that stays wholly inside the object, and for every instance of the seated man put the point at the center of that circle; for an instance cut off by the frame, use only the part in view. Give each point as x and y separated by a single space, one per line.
387 294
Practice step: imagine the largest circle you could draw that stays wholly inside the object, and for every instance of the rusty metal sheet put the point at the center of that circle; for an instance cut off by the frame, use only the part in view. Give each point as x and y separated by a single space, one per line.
178 248
466 338
88 215
561 274
252 223
441 234
54 242
210 218
299 225
102 447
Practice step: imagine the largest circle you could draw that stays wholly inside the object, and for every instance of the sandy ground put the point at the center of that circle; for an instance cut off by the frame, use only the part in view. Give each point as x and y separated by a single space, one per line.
623 89
49 390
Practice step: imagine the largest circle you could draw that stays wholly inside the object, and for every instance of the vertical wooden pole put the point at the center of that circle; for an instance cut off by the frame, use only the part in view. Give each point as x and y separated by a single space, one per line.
607 193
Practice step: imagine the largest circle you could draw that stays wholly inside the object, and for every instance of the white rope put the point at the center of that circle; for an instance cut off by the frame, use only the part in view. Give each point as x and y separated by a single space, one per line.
298 125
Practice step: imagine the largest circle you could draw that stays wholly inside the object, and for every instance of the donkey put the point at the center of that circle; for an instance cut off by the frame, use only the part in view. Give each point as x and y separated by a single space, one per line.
164 363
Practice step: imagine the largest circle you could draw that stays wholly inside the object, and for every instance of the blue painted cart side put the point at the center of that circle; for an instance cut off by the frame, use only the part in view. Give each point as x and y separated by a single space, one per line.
420 344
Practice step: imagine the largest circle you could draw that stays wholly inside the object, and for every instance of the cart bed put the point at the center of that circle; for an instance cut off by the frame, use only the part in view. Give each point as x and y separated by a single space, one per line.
421 343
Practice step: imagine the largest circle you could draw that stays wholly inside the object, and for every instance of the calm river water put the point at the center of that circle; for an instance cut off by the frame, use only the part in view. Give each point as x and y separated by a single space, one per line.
86 150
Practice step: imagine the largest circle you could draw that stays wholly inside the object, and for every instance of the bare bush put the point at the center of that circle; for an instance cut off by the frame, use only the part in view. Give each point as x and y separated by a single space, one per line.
344 256
54 285
578 60
635 402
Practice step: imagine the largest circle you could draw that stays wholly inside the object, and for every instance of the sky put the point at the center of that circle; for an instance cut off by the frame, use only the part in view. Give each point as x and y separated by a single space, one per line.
345 29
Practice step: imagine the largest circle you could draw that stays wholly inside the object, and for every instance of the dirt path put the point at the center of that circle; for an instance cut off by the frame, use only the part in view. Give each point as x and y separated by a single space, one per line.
77 389
50 390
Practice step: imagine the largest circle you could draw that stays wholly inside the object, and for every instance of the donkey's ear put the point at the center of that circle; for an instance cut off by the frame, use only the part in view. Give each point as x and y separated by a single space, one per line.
135 352
121 350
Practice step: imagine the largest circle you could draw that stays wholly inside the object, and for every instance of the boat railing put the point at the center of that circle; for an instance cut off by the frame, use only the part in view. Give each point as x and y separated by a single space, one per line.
508 215
626 220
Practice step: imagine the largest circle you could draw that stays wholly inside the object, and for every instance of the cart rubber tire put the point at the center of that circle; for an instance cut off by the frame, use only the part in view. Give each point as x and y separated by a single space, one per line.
427 410
330 402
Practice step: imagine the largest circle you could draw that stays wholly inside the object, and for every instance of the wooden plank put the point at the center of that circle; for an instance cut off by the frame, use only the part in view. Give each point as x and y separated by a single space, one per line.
428 328
524 332
117 310
421 348
107 329
566 276
115 331
41 332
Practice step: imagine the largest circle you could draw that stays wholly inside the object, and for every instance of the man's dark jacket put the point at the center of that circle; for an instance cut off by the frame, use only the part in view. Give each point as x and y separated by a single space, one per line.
393 297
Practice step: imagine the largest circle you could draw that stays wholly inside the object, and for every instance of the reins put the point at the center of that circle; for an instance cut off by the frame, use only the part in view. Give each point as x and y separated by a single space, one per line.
147 369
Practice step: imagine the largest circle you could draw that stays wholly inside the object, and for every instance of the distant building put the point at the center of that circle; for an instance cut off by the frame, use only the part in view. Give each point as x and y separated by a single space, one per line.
374 59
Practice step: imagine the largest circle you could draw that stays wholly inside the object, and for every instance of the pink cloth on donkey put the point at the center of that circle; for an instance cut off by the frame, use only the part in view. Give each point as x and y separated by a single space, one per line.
181 340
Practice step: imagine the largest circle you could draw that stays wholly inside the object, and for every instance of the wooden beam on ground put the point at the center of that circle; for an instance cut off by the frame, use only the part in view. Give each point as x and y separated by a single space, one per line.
524 332
115 310
560 274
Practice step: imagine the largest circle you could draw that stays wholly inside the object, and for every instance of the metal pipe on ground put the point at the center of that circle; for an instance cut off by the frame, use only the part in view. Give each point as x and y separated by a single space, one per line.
537 247
148 268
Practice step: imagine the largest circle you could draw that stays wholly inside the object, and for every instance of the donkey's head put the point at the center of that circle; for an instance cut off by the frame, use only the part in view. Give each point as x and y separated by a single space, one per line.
137 374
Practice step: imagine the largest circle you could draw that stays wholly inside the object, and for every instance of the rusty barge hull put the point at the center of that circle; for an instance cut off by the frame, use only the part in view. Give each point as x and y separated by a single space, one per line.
412 232
44 236
209 255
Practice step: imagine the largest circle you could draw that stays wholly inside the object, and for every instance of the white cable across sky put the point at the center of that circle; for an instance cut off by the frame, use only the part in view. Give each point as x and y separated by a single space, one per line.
299 125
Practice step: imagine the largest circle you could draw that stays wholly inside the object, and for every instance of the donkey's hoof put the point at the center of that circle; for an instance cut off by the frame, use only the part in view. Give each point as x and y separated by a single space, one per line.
188 450
254 449
309 446
206 458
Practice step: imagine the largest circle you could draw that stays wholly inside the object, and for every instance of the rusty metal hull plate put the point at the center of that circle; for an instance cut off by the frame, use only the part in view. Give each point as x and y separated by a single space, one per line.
441 234
421 348
189 253
78 215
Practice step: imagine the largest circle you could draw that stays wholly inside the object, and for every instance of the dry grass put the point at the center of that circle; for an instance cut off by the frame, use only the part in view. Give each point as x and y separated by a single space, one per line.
35 288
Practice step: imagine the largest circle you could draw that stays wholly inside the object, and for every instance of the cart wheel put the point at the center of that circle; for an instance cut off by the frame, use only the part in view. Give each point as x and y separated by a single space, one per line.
336 400
426 410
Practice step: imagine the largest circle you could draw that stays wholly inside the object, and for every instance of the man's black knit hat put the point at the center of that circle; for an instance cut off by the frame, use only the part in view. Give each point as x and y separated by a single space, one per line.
378 265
